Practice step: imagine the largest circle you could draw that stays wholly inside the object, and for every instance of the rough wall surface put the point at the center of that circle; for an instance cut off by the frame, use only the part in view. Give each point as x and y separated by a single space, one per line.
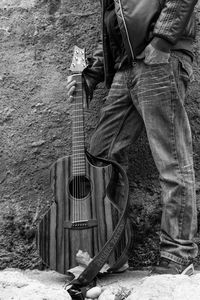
36 44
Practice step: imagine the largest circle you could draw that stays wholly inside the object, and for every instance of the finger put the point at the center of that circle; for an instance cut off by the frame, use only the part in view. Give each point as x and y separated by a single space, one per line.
70 89
70 84
71 92
84 100
70 99
69 78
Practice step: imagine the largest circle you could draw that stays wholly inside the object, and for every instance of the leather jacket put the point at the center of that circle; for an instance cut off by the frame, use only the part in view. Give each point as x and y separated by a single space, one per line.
169 23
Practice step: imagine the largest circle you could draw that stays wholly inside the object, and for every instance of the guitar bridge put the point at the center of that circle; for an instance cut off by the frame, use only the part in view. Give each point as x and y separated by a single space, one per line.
82 224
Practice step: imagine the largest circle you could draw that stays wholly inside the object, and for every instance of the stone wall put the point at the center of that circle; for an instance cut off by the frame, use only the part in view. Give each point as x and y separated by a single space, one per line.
36 45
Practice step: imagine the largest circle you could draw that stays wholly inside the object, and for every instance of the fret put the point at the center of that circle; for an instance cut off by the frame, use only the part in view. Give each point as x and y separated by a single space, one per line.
78 127
80 153
81 140
75 172
76 137
78 146
75 147
78 159
76 168
78 105
78 100
82 148
76 110
78 173
77 142
78 132
79 168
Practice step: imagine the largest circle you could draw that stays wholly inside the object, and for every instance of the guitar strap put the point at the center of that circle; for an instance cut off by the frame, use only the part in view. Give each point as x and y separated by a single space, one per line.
78 285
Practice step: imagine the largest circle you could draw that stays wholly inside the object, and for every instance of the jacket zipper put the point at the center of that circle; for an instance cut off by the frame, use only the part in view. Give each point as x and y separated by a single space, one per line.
126 29
103 32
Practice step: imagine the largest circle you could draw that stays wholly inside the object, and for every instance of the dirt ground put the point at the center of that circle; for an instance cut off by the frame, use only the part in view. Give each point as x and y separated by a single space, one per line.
16 284
36 45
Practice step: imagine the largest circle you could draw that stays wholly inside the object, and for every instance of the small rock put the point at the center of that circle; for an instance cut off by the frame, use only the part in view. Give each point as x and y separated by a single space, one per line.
93 292
38 143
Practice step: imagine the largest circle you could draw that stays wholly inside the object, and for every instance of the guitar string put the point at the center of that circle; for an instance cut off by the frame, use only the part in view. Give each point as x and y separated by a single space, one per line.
78 178
83 183
78 153
82 149
79 164
74 161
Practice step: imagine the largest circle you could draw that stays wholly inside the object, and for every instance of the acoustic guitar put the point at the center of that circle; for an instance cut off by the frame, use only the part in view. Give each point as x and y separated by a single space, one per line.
82 216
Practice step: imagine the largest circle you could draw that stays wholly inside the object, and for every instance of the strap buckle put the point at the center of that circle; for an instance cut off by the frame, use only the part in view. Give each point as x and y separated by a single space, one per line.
76 293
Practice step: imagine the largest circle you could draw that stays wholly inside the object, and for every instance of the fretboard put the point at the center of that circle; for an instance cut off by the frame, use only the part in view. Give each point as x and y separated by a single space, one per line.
78 136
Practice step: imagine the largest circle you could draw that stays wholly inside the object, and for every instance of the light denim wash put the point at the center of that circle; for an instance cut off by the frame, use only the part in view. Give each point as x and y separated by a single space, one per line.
153 96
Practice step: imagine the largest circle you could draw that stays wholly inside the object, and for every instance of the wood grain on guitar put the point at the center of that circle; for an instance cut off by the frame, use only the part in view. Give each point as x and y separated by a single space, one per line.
81 217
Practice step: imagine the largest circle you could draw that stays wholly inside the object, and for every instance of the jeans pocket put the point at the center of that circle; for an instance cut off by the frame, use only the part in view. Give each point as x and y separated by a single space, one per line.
185 71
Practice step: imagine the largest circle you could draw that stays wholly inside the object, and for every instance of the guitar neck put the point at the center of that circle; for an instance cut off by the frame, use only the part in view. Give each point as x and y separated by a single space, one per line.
78 135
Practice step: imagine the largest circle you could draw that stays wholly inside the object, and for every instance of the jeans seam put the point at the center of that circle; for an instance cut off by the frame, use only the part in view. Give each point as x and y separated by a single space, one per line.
182 196
117 132
121 123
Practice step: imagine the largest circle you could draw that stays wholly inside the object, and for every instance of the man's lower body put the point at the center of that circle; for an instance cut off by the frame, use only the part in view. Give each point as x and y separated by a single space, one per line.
153 97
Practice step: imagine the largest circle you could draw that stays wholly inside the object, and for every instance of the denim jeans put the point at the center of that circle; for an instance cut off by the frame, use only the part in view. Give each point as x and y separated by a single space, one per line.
153 97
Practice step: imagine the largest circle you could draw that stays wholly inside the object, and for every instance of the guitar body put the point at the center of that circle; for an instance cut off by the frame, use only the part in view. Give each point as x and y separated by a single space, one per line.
81 218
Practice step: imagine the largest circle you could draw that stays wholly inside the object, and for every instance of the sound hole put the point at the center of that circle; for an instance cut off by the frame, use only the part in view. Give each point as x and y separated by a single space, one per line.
79 187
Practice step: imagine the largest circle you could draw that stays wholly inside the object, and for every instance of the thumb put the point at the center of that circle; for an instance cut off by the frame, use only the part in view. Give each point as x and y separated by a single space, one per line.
85 102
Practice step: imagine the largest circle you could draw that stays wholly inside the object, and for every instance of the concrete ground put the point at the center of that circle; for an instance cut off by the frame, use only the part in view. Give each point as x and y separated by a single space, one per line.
16 284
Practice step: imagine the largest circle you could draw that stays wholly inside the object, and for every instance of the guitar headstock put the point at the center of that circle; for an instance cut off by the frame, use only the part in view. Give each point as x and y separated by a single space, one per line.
78 61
